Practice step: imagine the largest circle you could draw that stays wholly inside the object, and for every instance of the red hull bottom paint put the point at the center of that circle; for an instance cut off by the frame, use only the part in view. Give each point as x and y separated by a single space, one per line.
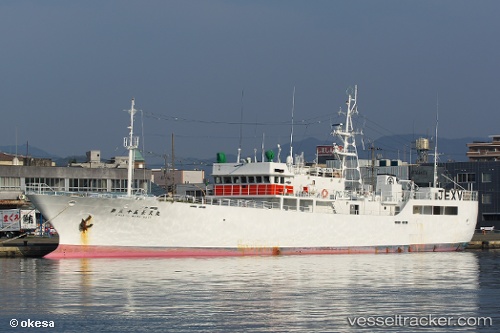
77 251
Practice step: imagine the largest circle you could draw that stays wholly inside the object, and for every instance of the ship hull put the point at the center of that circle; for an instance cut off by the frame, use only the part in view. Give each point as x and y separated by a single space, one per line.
79 251
112 227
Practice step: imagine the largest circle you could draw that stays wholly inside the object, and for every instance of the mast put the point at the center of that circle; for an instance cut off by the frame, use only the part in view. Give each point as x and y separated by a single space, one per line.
131 143
291 132
348 153
436 145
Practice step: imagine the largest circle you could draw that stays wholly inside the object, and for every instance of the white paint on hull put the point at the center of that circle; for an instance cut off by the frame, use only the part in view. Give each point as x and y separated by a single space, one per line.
191 225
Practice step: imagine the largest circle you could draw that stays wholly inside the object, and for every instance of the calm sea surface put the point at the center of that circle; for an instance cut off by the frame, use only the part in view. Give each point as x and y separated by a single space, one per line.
324 293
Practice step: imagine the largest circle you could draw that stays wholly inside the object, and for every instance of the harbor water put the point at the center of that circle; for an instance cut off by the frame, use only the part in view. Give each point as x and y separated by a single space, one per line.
412 292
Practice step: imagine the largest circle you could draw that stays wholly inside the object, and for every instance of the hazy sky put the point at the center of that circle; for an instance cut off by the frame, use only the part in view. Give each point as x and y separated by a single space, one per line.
69 68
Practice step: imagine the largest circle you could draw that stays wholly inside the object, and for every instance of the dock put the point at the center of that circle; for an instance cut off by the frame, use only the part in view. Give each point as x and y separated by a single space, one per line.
30 246
485 241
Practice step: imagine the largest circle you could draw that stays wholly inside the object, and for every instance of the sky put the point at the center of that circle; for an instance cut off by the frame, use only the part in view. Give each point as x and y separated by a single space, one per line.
216 73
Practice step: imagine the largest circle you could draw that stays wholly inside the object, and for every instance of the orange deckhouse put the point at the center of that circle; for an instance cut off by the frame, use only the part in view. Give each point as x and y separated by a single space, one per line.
257 179
252 179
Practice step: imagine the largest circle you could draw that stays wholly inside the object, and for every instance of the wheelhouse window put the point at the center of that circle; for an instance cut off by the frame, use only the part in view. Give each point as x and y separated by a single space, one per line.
435 210
438 210
279 180
451 210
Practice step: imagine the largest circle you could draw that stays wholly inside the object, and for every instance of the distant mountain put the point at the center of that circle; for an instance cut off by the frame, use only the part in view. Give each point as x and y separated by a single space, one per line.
65 161
30 150
40 153
387 147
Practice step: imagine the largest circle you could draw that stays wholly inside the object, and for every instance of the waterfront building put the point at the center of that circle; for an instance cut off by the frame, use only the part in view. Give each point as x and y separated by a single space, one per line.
11 159
182 182
89 176
484 177
484 151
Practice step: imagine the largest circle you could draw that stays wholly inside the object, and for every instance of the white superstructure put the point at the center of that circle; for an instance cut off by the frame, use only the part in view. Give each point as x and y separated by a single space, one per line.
267 207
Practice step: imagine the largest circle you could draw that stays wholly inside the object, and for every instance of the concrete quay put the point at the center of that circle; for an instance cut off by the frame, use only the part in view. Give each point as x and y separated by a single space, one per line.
30 246
485 241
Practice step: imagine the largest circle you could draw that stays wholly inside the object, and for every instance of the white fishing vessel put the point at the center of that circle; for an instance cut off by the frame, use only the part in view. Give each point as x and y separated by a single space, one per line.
265 208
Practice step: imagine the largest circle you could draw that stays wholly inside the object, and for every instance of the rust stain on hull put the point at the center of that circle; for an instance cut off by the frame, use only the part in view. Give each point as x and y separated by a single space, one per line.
84 227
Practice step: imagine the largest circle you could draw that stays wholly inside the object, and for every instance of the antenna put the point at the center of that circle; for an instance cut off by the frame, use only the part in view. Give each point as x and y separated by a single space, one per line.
262 147
291 133
436 142
241 128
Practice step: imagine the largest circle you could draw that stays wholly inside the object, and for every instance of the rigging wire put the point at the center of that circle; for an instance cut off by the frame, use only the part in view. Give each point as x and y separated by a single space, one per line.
370 127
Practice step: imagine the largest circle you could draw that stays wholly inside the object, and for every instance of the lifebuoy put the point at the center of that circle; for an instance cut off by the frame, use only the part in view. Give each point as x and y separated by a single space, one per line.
324 193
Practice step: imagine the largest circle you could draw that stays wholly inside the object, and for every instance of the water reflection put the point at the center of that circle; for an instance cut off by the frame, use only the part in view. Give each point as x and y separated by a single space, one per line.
266 294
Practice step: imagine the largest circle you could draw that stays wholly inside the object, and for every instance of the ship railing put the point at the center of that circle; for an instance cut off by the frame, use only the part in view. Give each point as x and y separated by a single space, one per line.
257 204
39 188
276 205
241 203
333 195
42 188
